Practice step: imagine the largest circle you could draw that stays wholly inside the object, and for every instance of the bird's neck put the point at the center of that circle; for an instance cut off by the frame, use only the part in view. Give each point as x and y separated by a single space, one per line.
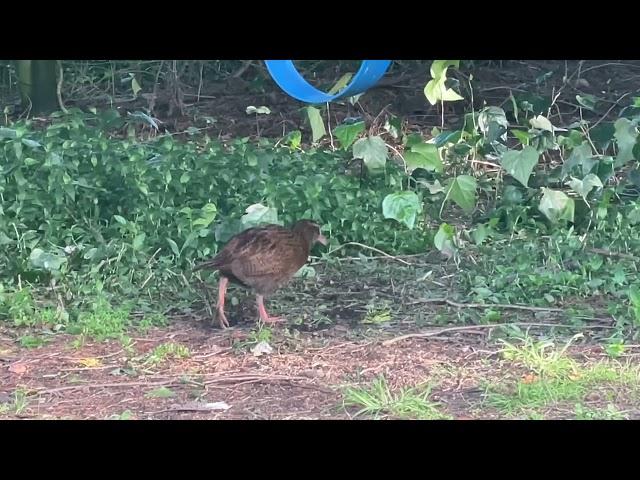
305 240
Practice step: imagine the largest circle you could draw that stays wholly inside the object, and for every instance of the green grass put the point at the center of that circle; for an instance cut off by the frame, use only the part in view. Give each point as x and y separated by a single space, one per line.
104 321
379 401
611 412
18 405
30 341
165 352
552 378
261 333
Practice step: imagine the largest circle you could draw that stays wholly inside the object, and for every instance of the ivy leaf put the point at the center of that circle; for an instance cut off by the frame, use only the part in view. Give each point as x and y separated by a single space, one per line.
556 205
209 212
436 90
584 186
258 214
520 164
317 124
462 190
347 134
373 151
138 241
444 240
402 207
423 155
626 136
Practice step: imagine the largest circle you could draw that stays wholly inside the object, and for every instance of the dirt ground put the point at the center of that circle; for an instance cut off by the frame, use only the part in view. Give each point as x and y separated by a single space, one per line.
304 381
337 337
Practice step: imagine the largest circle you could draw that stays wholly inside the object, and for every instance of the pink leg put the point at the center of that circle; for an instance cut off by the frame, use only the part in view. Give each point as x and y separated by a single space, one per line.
264 316
222 290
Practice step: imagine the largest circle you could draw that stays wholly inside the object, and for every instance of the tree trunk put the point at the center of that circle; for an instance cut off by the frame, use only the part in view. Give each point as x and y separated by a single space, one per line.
37 80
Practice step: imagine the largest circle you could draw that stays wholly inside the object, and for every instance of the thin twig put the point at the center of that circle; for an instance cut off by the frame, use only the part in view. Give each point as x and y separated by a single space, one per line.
617 102
610 64
486 305
221 379
476 327
608 253
369 248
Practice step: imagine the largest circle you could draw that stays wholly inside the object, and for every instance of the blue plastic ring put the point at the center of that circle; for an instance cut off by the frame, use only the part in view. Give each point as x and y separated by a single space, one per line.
285 74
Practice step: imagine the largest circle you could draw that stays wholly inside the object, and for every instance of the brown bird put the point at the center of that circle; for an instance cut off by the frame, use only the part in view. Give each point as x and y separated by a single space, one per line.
263 259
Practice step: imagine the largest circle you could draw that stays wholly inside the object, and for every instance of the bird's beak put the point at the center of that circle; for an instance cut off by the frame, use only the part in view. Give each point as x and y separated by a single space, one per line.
322 239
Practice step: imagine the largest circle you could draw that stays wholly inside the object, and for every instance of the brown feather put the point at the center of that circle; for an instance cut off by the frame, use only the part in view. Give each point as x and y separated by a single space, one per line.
264 258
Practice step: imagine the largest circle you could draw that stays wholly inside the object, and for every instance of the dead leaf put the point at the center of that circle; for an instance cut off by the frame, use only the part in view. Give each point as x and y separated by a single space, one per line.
18 368
90 362
529 378
261 348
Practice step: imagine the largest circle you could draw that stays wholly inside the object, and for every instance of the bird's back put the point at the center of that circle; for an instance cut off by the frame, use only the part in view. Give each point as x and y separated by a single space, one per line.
262 258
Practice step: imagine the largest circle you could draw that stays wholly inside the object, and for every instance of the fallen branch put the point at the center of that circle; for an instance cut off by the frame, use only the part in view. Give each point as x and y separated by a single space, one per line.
486 305
476 327
369 248
608 253
242 378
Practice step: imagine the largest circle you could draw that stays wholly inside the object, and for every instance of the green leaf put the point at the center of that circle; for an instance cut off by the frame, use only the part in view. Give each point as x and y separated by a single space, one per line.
626 136
424 155
439 67
90 253
31 143
17 148
436 89
340 84
120 219
138 241
584 186
135 86
634 177
520 164
480 234
581 156
209 212
258 214
556 205
373 151
4 239
444 138
523 137
542 123
493 124
587 101
9 133
444 240
227 229
294 139
634 296
45 260
185 177
462 190
402 207
435 187
413 139
393 126
174 247
347 134
317 124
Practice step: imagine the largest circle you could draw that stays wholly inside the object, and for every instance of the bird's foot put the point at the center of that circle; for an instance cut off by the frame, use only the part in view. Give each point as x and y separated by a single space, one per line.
222 318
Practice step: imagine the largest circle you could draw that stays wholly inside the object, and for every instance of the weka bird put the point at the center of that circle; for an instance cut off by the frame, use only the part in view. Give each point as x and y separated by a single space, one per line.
263 259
